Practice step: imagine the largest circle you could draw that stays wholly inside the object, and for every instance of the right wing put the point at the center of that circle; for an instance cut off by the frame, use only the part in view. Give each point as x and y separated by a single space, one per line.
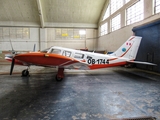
144 63
80 65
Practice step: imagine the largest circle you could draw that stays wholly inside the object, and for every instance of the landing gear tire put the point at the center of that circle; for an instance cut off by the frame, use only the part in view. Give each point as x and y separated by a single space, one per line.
25 73
59 78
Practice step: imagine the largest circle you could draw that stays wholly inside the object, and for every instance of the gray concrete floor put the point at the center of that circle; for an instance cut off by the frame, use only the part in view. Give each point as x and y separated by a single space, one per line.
83 95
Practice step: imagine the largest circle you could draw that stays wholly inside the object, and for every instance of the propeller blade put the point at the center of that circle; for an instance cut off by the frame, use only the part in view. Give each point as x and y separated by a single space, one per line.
34 48
12 66
13 52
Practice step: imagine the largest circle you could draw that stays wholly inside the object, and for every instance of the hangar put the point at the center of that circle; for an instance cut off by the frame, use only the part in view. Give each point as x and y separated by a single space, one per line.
96 26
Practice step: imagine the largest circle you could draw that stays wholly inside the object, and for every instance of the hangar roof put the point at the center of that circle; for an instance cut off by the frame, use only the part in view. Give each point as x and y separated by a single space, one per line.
51 13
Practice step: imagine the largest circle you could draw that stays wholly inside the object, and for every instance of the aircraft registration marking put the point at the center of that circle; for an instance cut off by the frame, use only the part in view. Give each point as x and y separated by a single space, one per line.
98 61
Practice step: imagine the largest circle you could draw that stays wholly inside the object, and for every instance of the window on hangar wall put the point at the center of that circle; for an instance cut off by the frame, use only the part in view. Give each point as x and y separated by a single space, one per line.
104 29
116 23
156 6
70 34
14 33
126 1
113 6
135 13
107 13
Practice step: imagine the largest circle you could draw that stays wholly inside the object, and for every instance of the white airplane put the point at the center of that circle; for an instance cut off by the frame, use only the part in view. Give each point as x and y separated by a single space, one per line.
65 58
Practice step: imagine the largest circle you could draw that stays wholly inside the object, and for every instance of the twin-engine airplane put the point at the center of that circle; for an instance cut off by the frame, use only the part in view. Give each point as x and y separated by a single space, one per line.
65 58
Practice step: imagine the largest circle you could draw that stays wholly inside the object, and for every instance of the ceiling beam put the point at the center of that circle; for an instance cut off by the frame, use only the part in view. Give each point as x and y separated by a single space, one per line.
40 13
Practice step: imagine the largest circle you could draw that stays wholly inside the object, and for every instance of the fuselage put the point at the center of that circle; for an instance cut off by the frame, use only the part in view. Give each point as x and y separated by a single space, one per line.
68 59
94 60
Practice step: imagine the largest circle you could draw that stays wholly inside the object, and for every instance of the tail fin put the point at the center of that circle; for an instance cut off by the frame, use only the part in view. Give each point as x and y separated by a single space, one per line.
129 49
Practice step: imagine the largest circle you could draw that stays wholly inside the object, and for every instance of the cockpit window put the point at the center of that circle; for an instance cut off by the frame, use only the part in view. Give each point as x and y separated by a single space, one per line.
66 53
55 51
45 50
79 56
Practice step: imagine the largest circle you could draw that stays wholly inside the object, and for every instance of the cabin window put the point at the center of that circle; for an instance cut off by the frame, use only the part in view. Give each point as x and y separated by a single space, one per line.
79 56
89 57
55 51
66 53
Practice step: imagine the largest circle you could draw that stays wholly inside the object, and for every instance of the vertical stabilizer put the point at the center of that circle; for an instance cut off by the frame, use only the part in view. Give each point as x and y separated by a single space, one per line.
129 49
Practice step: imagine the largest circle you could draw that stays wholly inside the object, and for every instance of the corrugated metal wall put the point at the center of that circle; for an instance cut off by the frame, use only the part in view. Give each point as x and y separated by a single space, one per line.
150 45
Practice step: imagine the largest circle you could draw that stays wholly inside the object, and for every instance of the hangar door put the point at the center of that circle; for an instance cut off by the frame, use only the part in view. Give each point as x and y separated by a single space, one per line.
149 49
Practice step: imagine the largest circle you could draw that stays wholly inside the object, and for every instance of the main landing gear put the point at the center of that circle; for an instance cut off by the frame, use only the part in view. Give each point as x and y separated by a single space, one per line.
60 74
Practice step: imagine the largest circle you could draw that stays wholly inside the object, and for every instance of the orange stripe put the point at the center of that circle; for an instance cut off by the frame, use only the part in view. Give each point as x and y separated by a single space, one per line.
131 38
112 59
126 51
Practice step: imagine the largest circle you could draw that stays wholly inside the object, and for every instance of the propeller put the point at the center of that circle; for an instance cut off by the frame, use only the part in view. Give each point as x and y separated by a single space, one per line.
12 66
34 48
12 51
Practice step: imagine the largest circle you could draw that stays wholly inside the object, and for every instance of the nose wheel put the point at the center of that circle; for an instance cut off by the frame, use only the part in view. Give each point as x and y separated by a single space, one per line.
25 73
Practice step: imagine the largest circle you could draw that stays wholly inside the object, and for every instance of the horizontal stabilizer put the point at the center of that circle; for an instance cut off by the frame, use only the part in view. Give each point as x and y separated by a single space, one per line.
139 62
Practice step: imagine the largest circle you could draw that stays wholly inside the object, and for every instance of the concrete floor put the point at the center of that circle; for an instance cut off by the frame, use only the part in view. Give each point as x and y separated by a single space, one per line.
83 95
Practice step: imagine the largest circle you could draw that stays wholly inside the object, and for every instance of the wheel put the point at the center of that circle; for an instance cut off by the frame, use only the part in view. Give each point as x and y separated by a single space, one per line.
59 78
25 73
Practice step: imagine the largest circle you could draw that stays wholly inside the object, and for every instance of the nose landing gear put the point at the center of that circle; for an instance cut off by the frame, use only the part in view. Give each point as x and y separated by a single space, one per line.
25 72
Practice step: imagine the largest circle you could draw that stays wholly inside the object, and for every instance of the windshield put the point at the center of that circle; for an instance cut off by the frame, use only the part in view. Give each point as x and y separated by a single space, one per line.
55 51
45 50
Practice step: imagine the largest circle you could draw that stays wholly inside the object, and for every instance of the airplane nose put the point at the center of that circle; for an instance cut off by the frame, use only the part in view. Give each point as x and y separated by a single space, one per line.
8 55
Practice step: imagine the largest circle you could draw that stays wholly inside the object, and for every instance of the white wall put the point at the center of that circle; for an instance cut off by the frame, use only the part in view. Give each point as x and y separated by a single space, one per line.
21 44
45 37
113 40
91 34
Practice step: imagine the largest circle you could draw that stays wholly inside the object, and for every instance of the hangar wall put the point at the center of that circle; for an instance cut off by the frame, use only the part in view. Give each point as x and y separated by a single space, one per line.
113 40
20 44
44 38
48 39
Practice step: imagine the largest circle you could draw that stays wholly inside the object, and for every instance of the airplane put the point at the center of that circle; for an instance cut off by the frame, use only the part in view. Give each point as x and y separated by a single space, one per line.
65 58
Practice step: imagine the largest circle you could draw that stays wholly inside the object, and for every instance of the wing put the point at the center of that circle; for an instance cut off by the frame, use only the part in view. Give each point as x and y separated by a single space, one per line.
144 63
78 65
